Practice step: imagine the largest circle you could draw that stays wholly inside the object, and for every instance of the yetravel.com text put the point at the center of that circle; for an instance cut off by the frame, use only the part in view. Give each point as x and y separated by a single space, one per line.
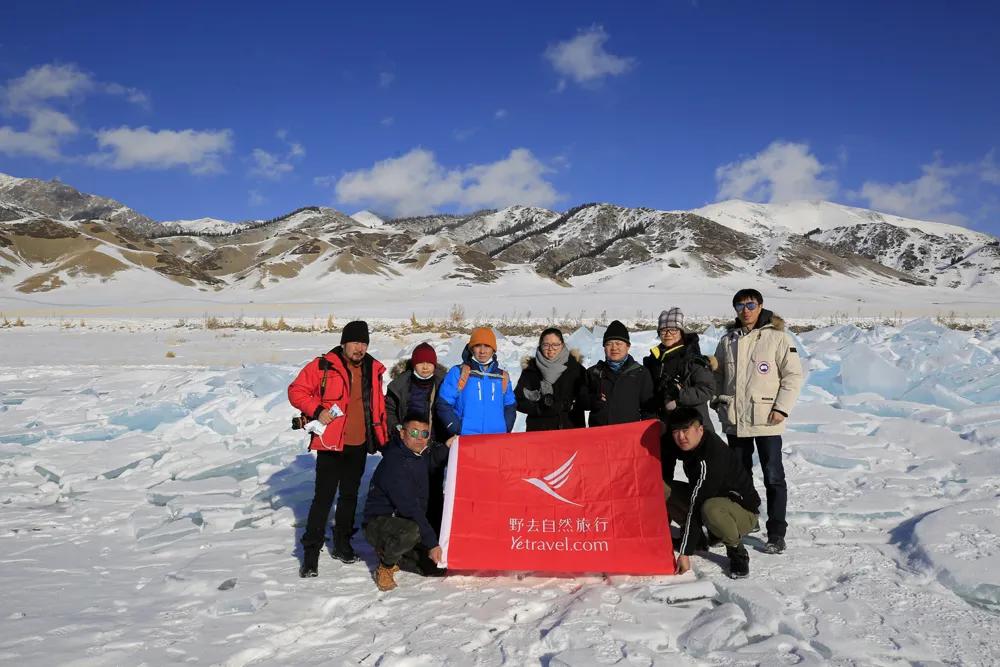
522 544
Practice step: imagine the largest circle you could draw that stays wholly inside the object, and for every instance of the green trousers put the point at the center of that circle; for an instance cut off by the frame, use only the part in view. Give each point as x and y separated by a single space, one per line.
724 518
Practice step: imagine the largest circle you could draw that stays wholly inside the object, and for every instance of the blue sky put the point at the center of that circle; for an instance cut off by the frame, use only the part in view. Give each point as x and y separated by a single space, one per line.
190 109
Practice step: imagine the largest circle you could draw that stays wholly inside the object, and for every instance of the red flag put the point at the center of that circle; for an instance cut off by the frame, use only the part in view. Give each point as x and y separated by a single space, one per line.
580 500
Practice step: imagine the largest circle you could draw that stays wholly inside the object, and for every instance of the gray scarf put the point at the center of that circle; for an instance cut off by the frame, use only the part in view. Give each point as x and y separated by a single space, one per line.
551 370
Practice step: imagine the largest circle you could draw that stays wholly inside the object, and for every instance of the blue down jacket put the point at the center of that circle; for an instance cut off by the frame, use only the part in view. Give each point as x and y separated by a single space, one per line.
482 405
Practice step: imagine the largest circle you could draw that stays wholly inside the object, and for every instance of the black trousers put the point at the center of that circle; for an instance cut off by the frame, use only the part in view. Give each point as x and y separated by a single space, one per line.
769 453
335 471
394 539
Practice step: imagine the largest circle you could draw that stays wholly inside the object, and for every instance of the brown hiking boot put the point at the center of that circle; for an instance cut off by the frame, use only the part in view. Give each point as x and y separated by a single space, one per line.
384 577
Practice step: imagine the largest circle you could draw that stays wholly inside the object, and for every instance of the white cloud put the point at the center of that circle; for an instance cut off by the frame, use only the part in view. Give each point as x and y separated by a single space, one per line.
34 97
44 83
127 148
940 190
13 142
385 79
929 196
255 198
781 172
417 183
464 134
584 60
989 171
133 95
49 121
273 165
388 121
268 165
500 114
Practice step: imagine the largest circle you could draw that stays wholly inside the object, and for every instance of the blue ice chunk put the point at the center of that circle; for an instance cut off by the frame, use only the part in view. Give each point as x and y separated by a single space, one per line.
97 434
265 379
216 421
864 370
23 438
147 419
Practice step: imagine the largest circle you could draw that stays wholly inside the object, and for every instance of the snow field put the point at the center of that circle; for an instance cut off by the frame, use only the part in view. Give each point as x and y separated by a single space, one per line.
151 511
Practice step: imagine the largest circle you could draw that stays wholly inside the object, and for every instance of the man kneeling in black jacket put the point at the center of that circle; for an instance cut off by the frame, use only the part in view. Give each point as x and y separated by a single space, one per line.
719 494
396 522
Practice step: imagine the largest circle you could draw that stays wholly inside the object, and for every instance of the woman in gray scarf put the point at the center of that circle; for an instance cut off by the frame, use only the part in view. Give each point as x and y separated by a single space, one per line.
549 385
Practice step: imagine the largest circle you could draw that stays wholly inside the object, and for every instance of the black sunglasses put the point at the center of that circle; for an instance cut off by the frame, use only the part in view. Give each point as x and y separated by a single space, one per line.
749 305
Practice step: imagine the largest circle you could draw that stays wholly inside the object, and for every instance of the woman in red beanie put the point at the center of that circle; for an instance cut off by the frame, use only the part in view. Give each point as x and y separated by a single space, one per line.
414 389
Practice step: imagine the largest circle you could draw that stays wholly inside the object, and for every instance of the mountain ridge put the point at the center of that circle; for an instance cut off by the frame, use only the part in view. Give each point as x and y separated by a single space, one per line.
52 236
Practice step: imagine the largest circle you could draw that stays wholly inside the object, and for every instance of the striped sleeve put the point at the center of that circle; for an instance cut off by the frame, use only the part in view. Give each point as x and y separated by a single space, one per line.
687 544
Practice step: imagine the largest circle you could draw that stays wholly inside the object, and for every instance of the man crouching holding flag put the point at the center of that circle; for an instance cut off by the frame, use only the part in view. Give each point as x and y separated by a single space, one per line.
719 495
396 522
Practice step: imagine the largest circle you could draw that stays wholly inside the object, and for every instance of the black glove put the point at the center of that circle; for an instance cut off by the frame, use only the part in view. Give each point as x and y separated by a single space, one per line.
671 392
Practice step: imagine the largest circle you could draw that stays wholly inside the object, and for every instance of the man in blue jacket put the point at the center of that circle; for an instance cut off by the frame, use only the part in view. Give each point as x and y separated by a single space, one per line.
396 522
476 396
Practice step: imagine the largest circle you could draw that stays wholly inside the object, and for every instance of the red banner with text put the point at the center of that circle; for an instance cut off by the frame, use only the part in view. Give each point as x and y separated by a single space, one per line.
581 500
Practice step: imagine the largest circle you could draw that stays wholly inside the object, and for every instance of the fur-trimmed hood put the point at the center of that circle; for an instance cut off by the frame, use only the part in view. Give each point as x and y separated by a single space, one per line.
574 354
766 318
403 365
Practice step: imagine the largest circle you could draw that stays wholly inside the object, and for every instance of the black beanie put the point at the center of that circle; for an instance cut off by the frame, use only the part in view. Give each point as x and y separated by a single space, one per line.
355 332
616 331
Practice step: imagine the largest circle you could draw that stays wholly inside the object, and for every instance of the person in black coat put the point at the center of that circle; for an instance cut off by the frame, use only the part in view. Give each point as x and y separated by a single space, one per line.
414 387
682 377
413 390
718 495
549 387
617 389
396 522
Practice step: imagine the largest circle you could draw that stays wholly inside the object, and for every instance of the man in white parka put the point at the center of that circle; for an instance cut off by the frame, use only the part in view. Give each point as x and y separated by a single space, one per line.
758 381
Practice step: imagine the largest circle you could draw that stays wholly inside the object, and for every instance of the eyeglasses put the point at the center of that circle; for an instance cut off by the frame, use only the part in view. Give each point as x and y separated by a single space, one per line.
415 433
550 346
749 305
670 331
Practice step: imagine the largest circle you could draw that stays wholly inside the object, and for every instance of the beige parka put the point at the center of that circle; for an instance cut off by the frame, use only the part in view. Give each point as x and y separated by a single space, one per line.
764 374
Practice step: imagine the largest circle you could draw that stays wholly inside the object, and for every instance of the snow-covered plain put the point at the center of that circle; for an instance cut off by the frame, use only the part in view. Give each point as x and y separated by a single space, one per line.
151 504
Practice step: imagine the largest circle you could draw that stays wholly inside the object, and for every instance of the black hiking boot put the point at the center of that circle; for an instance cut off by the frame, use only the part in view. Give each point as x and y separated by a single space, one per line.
344 552
775 545
739 562
310 564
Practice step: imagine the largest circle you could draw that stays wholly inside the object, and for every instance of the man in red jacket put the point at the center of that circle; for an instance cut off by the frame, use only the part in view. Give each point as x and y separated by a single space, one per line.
342 390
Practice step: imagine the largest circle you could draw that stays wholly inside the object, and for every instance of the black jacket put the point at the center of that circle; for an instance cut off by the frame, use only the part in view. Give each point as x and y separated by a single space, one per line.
684 375
400 485
397 397
714 471
618 398
563 408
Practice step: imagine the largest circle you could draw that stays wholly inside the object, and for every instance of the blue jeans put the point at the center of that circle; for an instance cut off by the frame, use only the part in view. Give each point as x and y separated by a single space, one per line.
769 453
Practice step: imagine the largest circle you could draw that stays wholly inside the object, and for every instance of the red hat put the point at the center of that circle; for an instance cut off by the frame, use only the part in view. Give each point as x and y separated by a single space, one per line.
423 353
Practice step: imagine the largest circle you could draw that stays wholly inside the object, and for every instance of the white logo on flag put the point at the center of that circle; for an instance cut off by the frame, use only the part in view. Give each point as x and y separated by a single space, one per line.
554 480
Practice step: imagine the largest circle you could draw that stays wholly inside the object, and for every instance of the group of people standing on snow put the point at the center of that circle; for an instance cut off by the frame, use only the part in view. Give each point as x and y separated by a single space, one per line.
752 381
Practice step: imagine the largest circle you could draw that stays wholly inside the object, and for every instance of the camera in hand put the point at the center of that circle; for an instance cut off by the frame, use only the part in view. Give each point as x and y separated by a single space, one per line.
299 421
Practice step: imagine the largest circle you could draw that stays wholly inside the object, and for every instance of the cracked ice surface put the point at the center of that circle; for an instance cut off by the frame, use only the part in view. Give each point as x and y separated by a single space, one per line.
150 515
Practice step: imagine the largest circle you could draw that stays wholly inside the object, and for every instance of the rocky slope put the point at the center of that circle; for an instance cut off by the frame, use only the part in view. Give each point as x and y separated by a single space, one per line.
51 236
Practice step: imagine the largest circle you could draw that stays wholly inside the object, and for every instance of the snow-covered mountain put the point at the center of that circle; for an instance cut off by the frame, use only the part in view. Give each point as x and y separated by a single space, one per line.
53 237
368 219
931 251
203 226
57 200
